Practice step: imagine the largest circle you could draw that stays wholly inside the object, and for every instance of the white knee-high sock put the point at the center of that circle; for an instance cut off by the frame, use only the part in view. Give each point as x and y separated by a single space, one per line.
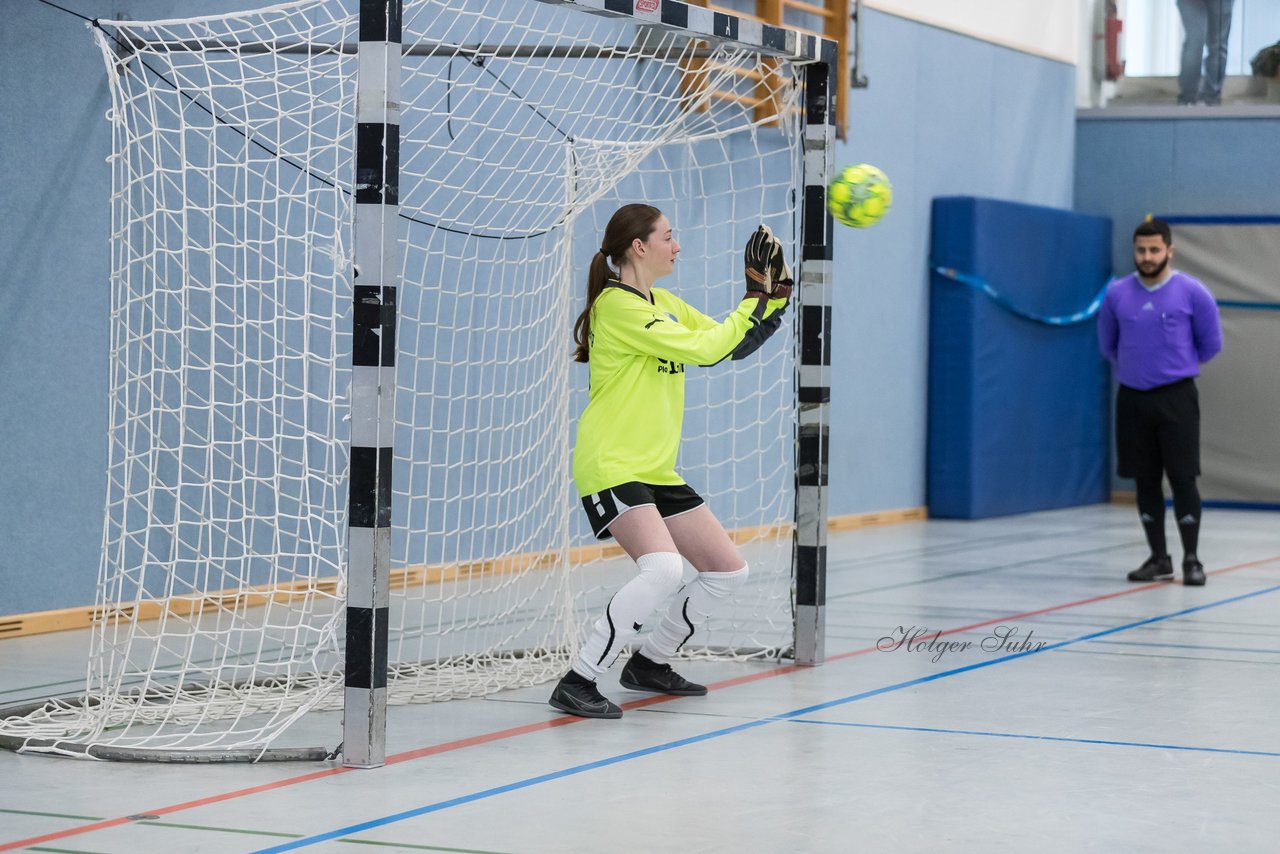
660 576
696 602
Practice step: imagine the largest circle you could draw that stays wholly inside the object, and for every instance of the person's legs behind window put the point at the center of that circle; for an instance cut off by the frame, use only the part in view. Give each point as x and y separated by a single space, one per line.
1195 24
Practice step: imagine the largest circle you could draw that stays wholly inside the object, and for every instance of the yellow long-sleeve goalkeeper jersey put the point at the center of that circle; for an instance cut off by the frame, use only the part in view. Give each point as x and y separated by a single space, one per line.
638 349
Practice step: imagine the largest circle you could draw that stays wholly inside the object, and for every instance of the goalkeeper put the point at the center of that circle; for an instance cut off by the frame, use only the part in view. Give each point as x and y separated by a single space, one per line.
637 340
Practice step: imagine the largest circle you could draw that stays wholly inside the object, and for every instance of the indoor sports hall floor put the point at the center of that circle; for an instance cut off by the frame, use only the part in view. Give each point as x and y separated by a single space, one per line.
1147 721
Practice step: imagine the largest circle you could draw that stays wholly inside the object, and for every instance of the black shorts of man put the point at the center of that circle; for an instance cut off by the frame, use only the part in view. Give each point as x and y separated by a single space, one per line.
1157 326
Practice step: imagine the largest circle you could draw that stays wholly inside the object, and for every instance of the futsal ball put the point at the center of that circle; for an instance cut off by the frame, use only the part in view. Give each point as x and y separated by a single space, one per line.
859 195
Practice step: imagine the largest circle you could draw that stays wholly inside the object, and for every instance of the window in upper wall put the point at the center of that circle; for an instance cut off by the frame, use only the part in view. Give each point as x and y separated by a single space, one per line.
1153 35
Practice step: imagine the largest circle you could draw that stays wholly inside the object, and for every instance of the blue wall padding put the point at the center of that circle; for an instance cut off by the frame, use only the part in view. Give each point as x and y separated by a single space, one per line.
1018 410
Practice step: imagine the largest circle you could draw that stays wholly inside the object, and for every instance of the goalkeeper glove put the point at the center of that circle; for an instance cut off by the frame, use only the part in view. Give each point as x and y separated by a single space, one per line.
779 271
757 258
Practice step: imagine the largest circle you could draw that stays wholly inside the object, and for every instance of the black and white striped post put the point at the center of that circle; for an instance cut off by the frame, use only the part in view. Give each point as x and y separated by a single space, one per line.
813 390
373 382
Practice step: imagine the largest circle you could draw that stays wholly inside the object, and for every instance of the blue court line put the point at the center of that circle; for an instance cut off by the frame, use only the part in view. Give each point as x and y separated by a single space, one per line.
1106 742
707 736
1190 646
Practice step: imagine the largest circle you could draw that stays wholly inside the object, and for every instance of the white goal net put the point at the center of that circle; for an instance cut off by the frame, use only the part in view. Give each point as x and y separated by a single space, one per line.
524 126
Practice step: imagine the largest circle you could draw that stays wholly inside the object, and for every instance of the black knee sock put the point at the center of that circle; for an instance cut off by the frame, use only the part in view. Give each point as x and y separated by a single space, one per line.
1186 506
1151 511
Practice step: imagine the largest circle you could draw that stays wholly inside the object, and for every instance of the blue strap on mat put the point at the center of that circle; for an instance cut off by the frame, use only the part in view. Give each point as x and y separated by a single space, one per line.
1004 302
1077 317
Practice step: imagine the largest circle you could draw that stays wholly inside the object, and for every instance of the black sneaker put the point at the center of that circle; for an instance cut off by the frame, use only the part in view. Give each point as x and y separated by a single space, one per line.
1192 572
641 674
579 696
1155 567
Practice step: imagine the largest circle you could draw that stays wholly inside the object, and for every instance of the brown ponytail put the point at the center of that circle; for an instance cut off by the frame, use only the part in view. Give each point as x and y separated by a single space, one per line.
629 222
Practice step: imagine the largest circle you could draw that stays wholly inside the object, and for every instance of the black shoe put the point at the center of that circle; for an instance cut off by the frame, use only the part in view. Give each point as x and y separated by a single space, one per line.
1192 572
1155 567
579 696
641 674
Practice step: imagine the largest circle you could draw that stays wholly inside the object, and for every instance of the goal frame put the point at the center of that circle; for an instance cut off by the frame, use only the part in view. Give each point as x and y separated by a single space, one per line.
374 319
376 277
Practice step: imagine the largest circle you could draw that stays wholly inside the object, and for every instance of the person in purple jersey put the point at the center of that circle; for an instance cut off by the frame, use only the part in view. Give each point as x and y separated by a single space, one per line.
1157 326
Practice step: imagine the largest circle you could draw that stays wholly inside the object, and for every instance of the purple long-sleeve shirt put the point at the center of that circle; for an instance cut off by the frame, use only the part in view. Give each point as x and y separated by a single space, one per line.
1158 337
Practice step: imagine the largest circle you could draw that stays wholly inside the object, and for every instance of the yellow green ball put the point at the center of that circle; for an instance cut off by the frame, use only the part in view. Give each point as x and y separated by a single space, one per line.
859 196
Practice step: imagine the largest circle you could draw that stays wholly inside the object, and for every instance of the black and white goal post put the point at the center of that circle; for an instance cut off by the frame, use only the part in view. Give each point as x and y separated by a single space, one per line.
813 391
373 382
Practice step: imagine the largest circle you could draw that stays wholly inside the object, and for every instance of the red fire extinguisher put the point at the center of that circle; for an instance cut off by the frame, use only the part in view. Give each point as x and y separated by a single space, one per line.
1113 35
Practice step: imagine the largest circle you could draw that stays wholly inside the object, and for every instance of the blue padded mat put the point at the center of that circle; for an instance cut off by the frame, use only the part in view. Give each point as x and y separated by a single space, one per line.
1018 393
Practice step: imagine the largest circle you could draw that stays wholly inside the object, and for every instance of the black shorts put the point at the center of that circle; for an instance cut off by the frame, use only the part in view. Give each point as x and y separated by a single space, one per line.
605 506
1158 430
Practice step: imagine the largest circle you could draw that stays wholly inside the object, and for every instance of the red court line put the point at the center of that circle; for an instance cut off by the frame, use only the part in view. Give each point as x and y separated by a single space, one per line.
765 674
566 720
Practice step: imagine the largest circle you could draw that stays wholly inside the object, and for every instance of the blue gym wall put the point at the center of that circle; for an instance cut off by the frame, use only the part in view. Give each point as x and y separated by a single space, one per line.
1126 168
945 115
53 301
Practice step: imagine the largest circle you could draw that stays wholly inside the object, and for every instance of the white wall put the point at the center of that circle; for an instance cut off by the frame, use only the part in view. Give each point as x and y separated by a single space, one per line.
1090 68
1047 28
1153 35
